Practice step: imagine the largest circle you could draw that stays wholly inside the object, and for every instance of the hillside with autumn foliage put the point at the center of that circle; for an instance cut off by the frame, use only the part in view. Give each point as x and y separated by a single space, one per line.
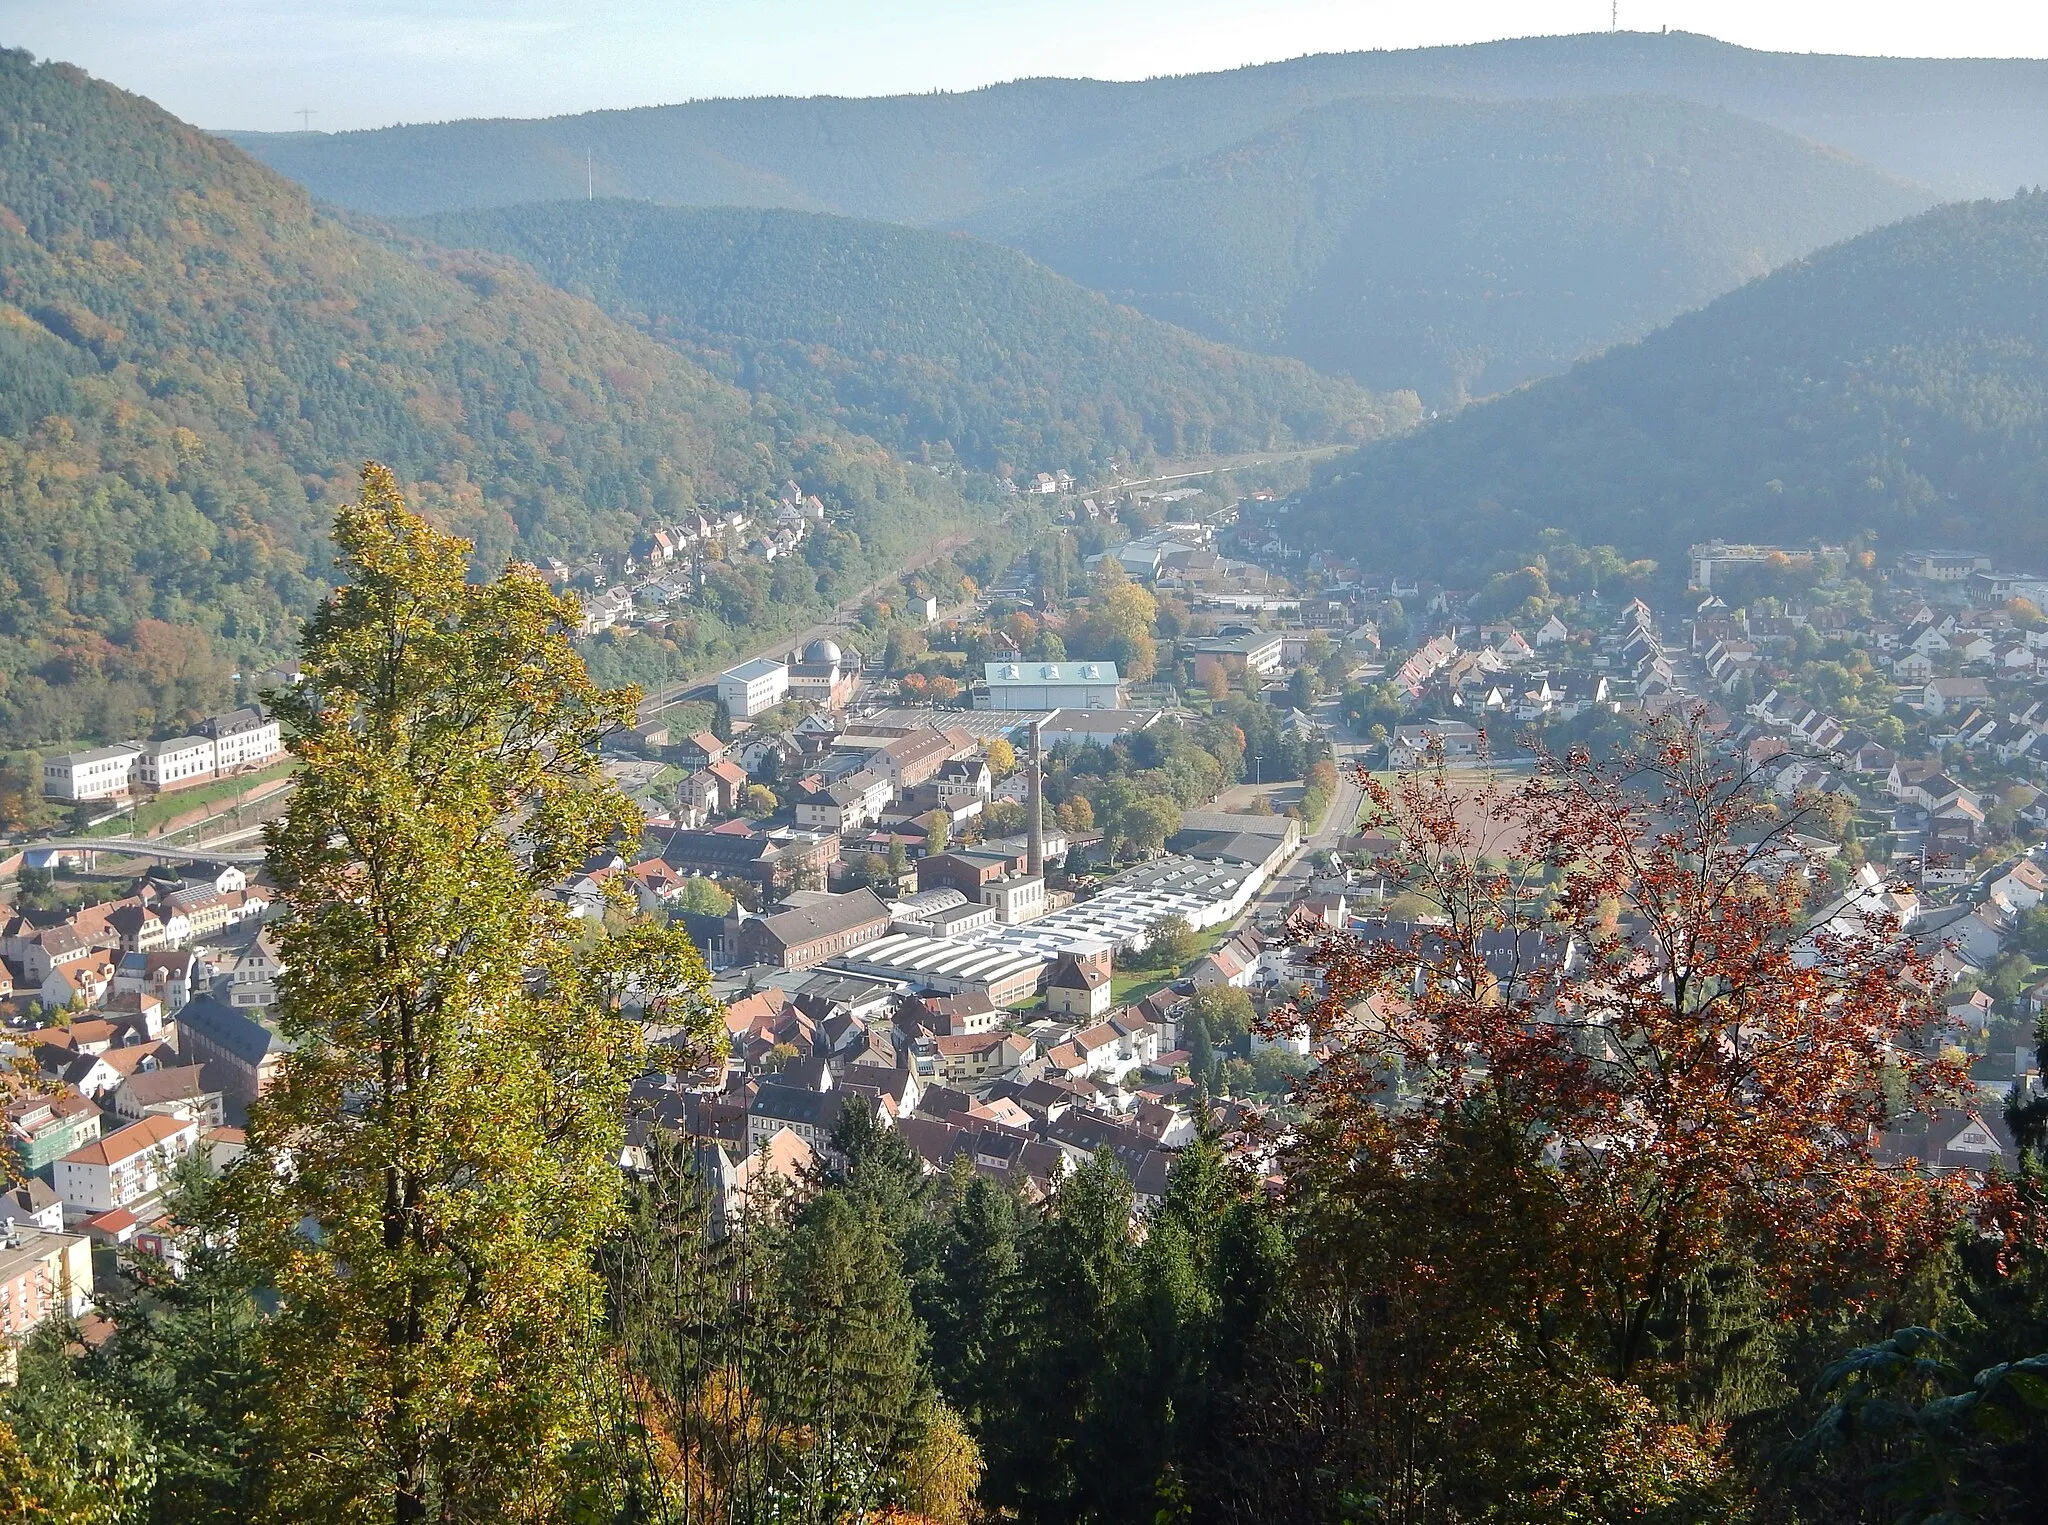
195 360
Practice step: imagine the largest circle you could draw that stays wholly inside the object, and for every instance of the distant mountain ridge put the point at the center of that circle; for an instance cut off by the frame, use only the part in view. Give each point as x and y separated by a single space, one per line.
923 339
1015 152
1465 247
1894 386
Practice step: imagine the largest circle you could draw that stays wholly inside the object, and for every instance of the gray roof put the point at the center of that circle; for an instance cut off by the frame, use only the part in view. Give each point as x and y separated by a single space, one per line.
1024 673
822 918
234 1031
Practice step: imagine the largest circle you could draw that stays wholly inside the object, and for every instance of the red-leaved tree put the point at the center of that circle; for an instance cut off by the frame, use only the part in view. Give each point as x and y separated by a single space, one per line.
1590 1130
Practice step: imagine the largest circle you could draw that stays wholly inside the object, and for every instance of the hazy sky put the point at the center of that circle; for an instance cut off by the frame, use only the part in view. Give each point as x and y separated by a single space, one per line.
365 63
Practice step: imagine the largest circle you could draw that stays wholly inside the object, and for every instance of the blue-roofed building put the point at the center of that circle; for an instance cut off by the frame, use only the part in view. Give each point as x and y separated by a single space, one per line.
1026 685
239 1053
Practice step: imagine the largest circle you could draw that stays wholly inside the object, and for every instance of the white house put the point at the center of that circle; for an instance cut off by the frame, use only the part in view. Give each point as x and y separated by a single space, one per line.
124 1167
253 981
752 688
853 802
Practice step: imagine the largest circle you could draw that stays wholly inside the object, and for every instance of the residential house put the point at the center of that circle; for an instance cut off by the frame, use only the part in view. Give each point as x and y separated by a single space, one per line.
811 1114
699 750
1945 696
2017 886
146 928
716 788
179 1090
852 803
1077 988
1234 963
33 1203
41 1129
169 974
252 980
43 1275
51 948
973 1057
960 779
79 985
774 1171
125 1167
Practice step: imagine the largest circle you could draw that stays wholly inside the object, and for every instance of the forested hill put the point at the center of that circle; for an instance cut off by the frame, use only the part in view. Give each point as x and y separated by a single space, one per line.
1964 126
921 339
1896 384
194 362
1464 247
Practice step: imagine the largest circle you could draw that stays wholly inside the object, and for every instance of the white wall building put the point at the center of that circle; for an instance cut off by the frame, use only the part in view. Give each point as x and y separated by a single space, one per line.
124 1167
1025 685
101 774
243 738
175 763
753 688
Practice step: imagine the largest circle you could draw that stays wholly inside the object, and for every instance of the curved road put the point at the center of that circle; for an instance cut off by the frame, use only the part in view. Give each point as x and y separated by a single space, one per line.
1272 901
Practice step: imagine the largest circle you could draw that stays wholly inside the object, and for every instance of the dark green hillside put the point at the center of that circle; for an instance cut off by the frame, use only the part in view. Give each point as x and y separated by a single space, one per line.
194 362
1463 247
922 339
1896 384
1017 153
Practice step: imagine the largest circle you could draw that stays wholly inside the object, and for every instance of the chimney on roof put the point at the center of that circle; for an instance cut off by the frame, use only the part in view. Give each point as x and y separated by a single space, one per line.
1034 853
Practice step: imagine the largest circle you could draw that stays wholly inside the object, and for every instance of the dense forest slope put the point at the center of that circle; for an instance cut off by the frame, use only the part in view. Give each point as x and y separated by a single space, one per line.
922 339
194 362
1020 151
1895 384
1464 247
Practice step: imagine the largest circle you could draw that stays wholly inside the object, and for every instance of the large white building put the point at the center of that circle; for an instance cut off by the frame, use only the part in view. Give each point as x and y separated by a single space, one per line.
104 773
1023 685
233 742
123 1167
243 738
752 688
175 763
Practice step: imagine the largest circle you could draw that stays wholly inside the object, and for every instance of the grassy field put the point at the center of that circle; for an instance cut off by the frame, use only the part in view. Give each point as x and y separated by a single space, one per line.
151 814
1128 985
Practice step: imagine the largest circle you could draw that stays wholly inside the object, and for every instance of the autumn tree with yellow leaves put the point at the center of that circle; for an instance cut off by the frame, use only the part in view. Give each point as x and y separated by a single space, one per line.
429 1176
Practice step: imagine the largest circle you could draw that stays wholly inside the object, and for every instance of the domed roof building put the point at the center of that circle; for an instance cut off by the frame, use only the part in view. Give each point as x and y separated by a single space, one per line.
824 673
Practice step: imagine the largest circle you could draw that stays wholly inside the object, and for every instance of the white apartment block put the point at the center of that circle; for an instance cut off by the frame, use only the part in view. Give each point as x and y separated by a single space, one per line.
175 763
125 1166
102 774
243 738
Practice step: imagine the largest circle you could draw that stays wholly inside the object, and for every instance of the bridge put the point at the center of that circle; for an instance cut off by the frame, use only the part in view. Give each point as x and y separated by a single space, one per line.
134 847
